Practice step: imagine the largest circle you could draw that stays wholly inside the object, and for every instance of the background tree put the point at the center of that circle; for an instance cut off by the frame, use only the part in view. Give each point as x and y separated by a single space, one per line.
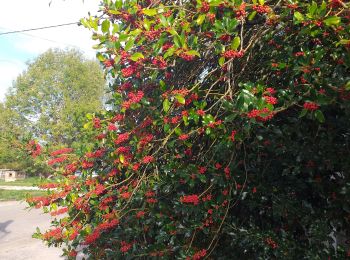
50 99
7 131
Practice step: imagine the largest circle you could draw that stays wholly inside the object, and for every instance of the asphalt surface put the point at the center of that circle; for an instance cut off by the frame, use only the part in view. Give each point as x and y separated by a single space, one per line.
16 228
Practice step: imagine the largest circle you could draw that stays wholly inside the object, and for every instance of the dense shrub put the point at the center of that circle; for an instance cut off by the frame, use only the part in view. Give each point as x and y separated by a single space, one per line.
227 134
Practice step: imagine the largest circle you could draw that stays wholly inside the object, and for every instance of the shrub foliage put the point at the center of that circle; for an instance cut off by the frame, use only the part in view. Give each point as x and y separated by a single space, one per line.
227 134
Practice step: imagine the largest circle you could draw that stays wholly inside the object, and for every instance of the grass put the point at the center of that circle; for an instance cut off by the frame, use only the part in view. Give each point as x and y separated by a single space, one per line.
6 195
31 181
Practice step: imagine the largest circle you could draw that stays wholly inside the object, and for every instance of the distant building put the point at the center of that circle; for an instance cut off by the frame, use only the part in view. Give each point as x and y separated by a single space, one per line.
11 175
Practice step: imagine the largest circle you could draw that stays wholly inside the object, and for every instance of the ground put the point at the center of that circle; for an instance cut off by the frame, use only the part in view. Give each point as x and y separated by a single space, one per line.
16 228
18 190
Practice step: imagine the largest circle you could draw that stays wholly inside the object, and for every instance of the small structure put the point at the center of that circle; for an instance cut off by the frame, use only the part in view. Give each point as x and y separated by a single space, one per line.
11 175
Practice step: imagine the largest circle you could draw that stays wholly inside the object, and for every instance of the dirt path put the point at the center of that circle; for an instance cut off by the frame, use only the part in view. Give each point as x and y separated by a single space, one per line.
16 228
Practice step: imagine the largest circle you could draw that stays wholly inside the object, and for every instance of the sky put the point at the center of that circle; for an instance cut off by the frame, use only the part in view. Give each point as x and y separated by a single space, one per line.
17 49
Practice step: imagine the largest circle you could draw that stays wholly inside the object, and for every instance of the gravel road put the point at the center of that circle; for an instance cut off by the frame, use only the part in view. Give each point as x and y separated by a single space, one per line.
16 228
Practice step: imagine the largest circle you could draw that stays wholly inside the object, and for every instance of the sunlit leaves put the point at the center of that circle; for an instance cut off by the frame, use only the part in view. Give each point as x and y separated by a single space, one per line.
298 17
149 12
166 105
332 20
235 43
136 56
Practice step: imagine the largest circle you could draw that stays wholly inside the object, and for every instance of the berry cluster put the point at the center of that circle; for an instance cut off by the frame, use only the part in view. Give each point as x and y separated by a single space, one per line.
270 100
262 115
133 99
261 9
311 106
205 7
233 54
190 199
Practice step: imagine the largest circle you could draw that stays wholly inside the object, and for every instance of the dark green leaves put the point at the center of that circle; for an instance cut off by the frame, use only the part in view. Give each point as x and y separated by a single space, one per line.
319 116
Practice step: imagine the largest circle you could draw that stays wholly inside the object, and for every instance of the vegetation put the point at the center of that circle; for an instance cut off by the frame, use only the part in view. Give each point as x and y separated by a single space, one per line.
6 195
48 102
227 135
31 181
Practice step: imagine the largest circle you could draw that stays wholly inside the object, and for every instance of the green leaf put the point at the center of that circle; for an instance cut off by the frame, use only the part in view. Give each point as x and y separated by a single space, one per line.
121 158
218 25
347 85
136 56
177 41
215 2
166 128
193 52
118 4
164 21
221 61
235 43
162 85
183 38
312 9
261 2
89 116
100 57
178 131
343 41
303 113
147 24
114 12
123 37
172 32
202 178
200 19
129 44
298 16
94 23
319 116
135 32
251 16
169 52
54 206
180 99
166 105
332 20
117 59
87 125
84 23
105 26
116 28
149 12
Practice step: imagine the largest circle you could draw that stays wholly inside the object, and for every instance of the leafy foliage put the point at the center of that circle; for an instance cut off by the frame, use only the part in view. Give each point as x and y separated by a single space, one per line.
49 102
227 135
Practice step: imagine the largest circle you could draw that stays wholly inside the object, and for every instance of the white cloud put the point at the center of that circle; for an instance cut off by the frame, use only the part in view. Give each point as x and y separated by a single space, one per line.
25 14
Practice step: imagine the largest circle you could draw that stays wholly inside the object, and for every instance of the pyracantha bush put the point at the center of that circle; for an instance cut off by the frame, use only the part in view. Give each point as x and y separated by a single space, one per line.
226 135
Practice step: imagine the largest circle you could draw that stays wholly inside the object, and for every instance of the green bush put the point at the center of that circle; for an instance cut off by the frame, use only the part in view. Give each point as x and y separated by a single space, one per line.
226 137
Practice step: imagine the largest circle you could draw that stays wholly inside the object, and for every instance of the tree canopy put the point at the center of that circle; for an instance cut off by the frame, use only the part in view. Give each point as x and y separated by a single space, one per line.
50 99
228 136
